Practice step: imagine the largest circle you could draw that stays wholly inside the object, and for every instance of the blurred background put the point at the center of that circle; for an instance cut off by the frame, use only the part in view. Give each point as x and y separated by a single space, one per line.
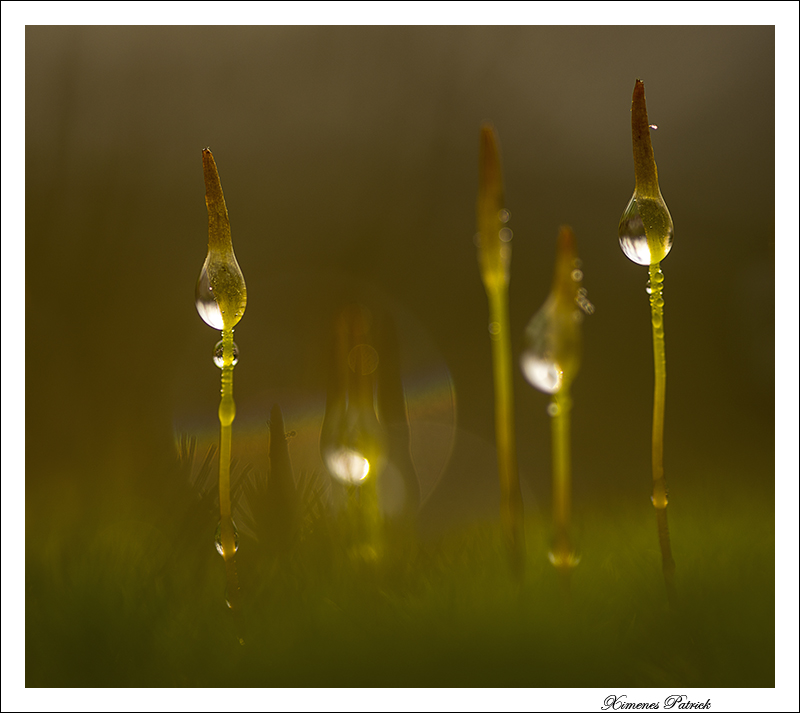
348 157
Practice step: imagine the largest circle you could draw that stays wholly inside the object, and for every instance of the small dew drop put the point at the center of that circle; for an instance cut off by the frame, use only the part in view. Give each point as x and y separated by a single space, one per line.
504 216
552 409
362 359
218 360
494 328
582 300
218 539
653 127
576 275
506 234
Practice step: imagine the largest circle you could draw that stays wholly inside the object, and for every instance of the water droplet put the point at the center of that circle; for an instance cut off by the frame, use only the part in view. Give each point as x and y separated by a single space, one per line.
206 305
582 300
218 539
551 346
504 216
362 359
346 464
648 289
494 328
643 217
653 127
541 371
576 275
506 234
661 503
552 409
564 560
220 295
218 354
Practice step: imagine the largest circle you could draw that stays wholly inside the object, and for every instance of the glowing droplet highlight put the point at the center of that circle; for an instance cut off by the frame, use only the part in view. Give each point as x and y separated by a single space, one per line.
346 464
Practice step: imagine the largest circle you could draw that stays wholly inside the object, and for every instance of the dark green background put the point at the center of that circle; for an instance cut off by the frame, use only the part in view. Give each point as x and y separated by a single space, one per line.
348 157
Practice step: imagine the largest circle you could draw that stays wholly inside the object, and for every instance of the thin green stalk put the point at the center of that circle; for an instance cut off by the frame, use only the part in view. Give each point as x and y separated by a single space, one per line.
494 257
221 298
645 234
660 499
227 413
562 556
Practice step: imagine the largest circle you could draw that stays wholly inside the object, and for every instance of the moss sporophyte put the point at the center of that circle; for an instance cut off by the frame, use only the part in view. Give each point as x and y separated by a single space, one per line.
494 258
550 362
221 298
645 236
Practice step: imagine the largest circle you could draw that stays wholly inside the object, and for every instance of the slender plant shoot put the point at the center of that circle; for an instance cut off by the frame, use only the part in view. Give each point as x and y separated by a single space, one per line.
645 235
221 297
550 362
494 257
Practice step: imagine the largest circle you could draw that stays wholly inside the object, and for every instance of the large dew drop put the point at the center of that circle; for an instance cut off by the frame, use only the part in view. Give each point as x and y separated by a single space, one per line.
643 218
205 302
538 360
346 464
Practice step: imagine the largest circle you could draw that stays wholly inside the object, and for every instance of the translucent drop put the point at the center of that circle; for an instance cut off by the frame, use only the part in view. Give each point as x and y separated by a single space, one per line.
363 359
541 371
582 300
552 409
642 217
220 287
218 354
346 464
207 306
504 216
494 328
564 560
547 336
506 234
218 539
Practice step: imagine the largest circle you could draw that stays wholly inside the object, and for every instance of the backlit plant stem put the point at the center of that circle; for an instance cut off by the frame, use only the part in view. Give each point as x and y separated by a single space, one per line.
652 216
227 413
562 556
221 298
494 256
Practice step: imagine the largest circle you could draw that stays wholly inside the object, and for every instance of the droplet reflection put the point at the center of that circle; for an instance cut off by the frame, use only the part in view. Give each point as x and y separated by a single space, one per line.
218 539
218 354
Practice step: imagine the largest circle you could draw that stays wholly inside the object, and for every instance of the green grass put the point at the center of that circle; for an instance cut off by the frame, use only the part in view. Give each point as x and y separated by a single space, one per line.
134 597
